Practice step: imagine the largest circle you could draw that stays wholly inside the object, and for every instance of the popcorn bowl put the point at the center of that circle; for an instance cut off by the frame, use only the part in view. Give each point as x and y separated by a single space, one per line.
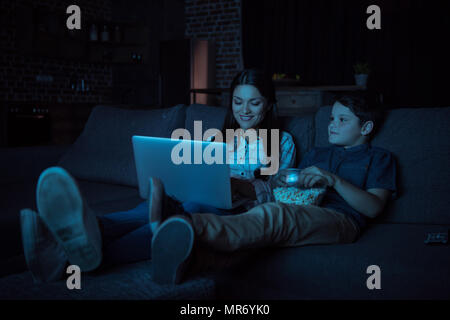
287 188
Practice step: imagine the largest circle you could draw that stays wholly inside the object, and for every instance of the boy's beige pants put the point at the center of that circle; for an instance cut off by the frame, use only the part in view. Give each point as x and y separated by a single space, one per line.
274 225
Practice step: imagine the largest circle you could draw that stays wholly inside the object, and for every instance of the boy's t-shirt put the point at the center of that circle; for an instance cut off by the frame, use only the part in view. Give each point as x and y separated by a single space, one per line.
364 166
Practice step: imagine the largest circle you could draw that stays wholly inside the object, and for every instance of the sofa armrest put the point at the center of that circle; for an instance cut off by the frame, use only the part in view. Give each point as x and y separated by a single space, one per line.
25 163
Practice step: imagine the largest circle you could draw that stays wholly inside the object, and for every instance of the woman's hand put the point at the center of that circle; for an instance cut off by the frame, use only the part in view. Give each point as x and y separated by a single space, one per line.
313 175
243 187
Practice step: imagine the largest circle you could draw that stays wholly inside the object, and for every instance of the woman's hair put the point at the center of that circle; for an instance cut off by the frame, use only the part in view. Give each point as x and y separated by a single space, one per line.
263 82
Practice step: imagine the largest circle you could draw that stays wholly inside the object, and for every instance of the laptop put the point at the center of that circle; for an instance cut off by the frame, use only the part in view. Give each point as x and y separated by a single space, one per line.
190 170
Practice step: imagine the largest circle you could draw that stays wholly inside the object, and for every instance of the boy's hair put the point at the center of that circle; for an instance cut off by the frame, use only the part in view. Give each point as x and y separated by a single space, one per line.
366 107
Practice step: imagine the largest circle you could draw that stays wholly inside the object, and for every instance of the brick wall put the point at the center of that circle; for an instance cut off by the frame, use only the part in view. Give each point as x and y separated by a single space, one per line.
18 71
218 20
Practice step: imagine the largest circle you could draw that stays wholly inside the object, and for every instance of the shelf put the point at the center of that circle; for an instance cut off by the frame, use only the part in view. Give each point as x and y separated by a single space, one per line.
321 88
116 44
120 23
66 48
286 82
43 37
85 60
126 64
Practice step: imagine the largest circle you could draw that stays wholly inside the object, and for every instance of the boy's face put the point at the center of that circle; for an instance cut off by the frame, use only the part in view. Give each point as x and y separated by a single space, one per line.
344 128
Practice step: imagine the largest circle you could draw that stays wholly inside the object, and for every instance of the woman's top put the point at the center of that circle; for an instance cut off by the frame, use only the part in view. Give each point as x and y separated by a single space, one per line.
247 159
246 156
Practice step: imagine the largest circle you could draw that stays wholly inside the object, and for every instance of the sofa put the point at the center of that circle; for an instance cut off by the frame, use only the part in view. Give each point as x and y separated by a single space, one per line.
101 160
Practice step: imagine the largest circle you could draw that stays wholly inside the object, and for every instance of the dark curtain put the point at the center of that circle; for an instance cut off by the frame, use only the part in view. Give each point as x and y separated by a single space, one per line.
322 40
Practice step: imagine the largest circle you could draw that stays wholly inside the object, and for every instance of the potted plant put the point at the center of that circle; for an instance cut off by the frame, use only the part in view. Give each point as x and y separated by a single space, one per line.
286 79
362 71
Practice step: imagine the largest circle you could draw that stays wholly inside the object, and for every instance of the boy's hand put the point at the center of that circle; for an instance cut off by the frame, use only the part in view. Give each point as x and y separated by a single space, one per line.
314 175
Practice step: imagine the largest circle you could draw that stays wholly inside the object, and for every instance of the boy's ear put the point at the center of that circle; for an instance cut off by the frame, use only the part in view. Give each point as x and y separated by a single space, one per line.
367 128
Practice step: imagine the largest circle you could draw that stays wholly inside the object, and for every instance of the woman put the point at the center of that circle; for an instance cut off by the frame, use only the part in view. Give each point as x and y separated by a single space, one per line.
66 230
252 107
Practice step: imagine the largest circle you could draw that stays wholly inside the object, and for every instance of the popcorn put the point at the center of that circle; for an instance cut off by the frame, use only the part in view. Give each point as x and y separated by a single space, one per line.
311 196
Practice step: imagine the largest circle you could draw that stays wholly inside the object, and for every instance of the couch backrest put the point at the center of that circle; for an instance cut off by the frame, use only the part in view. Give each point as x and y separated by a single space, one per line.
210 117
301 128
104 152
302 131
419 138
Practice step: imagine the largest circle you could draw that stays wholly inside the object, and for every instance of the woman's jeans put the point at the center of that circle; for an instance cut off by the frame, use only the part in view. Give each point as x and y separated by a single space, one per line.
127 235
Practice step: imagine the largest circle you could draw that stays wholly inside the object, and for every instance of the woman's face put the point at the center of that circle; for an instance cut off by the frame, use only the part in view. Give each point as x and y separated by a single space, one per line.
249 106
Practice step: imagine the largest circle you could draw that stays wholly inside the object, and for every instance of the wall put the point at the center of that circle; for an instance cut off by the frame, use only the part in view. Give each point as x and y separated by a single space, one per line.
18 71
218 20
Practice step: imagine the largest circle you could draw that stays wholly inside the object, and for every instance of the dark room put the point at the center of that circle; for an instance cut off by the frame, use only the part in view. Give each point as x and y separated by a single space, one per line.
249 151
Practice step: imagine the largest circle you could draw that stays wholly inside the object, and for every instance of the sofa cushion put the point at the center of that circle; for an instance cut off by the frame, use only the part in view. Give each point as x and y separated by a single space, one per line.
302 131
211 117
409 269
420 140
321 120
104 153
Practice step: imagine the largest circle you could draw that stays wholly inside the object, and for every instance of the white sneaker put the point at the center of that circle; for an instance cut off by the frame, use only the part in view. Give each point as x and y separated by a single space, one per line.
73 224
45 257
172 245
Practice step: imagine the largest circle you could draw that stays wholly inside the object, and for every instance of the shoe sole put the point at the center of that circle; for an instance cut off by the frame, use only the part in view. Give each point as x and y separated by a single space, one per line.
28 226
46 260
60 205
154 216
171 247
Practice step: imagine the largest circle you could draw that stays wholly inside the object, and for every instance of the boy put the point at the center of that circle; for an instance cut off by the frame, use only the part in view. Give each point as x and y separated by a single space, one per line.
359 178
